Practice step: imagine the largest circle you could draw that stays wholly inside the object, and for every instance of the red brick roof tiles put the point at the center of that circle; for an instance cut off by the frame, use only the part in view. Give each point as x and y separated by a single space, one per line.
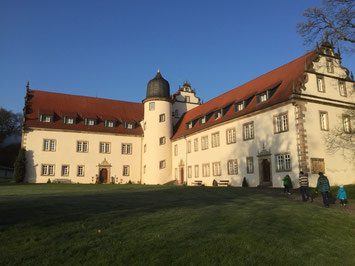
287 76
43 102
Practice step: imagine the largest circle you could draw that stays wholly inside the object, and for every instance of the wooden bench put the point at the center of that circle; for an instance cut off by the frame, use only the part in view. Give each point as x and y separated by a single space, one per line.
197 183
62 181
224 183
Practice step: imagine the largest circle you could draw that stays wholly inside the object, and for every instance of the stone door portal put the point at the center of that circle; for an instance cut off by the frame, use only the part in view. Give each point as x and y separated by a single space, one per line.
103 176
266 170
182 175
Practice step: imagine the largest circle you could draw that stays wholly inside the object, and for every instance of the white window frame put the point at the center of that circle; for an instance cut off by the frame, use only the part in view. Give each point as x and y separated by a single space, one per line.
215 139
47 170
162 164
125 170
250 165
189 171
342 89
188 144
324 121
231 135
281 123
63 171
196 144
105 147
216 166
206 170
126 148
151 106
49 144
248 131
283 162
162 141
232 166
204 142
196 170
80 170
346 123
161 118
320 84
82 146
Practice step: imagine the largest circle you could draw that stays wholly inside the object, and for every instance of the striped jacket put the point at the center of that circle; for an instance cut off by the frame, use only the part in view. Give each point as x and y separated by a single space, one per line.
303 179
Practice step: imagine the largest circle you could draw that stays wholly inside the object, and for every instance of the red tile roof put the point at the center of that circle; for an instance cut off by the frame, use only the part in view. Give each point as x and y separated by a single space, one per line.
287 76
43 102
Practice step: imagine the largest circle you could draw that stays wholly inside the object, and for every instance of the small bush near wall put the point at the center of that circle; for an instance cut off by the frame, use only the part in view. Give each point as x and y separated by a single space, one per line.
245 182
20 166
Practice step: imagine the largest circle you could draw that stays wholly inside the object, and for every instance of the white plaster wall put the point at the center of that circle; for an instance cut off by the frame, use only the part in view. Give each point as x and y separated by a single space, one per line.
155 152
264 134
337 168
66 154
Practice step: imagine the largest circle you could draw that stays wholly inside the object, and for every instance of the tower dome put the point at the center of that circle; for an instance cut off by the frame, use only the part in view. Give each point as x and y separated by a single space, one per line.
158 87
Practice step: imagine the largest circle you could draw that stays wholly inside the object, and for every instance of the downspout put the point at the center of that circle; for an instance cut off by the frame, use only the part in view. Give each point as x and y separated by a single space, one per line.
186 169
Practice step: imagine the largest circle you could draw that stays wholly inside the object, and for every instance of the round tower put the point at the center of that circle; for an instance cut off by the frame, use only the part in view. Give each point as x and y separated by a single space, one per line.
157 127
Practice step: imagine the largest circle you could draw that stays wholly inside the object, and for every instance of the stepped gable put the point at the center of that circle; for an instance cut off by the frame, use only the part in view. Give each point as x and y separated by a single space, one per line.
59 105
288 77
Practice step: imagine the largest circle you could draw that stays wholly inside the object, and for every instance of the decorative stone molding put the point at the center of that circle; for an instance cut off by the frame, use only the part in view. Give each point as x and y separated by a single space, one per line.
302 147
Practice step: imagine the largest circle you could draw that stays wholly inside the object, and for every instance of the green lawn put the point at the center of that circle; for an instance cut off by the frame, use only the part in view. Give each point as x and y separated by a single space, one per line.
52 224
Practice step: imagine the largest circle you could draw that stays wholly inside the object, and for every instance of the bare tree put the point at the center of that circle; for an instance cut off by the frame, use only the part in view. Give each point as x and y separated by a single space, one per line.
335 20
10 123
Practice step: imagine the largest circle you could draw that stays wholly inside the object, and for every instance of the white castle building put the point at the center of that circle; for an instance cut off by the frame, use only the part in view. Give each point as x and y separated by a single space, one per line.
260 131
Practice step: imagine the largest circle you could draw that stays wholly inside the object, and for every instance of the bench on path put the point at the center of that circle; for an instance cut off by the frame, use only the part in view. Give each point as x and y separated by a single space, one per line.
224 183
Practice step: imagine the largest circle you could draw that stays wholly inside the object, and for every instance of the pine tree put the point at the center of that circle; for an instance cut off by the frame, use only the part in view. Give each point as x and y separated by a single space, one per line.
20 166
245 183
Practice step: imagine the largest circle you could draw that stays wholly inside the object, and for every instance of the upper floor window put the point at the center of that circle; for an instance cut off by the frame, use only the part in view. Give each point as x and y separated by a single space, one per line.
105 147
280 123
346 123
231 136
90 121
69 120
324 123
215 139
216 168
250 165
46 118
109 123
162 141
187 99
49 144
47 169
162 164
126 148
82 146
239 106
162 118
176 150
151 106
204 143
188 146
233 167
283 162
342 89
248 131
196 144
330 65
320 84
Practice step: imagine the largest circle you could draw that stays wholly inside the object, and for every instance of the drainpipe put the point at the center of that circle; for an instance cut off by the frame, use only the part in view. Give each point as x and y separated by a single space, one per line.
186 169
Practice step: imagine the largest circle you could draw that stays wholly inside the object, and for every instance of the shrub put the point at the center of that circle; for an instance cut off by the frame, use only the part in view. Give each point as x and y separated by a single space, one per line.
245 182
20 166
49 181
215 183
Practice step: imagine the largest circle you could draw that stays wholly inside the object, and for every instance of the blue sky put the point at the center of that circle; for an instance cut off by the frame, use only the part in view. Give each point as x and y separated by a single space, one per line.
111 49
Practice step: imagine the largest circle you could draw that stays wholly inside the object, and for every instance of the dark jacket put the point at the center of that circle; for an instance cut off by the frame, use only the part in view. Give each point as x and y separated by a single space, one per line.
323 184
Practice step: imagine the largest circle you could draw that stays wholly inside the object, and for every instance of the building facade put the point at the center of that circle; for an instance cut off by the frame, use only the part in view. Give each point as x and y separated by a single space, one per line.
269 127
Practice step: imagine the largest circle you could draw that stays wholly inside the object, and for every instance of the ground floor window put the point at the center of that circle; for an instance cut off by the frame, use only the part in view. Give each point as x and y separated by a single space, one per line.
80 170
47 169
196 170
216 168
283 162
65 170
189 171
126 170
233 167
250 165
205 169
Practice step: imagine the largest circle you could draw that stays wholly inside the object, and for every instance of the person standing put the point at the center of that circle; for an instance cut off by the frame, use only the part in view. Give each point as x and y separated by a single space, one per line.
303 180
287 184
342 195
324 187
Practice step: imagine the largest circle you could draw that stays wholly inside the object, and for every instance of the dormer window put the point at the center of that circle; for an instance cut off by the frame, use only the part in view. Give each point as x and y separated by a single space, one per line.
109 123
189 125
90 121
218 114
262 97
203 120
239 106
46 118
69 120
129 125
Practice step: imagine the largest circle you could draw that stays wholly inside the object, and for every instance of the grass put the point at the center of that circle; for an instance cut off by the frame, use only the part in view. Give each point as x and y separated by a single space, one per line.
56 224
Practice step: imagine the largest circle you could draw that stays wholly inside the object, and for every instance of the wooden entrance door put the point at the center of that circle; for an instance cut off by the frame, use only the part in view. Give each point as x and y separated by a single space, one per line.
266 170
182 175
103 175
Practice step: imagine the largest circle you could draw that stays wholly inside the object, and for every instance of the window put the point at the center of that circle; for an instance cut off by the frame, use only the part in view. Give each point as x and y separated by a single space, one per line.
125 170
65 170
233 167
189 125
162 141
250 165
248 131
82 146
46 118
187 99
189 171
342 89
218 114
231 136
80 170
90 121
144 169
204 143
176 113
162 164
205 169
47 169
145 148
188 146
105 147
151 106
129 125
346 123
215 139
126 148
262 97
330 65
320 84
196 170
176 150
49 144
283 162
280 123
195 144
109 123
216 169
176 174
203 120
323 116
162 118
69 120
239 106
317 165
